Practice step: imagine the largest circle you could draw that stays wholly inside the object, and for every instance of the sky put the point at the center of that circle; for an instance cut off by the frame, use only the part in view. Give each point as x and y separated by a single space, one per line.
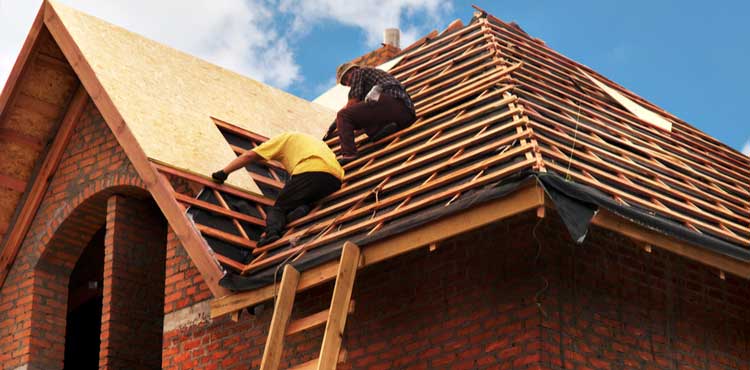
683 56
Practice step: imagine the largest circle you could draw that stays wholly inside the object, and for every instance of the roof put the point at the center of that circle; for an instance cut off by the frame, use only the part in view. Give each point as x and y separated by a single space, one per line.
492 103
167 97
161 104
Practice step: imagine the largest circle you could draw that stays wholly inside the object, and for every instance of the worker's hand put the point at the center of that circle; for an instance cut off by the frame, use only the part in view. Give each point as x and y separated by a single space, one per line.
219 176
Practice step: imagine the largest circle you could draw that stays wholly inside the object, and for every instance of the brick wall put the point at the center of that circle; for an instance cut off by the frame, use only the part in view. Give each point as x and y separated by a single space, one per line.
33 298
484 301
133 285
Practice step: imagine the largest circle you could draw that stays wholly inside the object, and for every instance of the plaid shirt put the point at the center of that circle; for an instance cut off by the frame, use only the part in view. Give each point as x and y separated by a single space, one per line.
364 78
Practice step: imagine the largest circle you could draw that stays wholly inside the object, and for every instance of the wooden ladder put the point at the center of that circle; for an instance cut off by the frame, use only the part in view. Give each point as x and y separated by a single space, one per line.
334 316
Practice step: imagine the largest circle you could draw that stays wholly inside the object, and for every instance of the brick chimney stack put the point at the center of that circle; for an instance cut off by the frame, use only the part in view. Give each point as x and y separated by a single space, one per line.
392 36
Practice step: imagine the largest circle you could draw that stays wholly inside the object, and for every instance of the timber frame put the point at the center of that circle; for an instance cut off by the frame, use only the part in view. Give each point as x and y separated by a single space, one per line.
491 102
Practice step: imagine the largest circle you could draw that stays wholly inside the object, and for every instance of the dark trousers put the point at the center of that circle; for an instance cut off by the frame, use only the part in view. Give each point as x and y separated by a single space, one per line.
370 117
303 189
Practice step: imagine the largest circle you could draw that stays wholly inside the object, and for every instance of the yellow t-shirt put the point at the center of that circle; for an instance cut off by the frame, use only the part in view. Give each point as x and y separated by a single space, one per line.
300 153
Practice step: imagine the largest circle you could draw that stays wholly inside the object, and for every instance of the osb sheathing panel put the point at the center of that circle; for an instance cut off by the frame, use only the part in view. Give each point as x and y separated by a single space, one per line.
29 123
49 85
18 160
167 98
8 200
48 46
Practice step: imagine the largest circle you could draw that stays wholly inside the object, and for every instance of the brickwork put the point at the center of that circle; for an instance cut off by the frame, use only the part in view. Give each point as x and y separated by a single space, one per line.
484 301
133 285
33 298
480 301
184 286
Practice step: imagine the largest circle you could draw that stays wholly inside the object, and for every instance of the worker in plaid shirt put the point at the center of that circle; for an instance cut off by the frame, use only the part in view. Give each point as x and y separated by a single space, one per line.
379 112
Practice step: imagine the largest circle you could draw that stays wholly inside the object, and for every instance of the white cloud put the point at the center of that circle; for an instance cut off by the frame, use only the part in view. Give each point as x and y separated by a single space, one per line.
248 36
746 148
236 34
371 16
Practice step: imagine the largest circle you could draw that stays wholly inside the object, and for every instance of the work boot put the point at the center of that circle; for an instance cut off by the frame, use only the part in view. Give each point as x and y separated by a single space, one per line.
298 213
385 131
268 239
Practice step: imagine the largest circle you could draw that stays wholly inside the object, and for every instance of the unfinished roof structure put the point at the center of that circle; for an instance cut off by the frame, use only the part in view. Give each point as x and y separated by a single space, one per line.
158 121
504 125
506 128
499 116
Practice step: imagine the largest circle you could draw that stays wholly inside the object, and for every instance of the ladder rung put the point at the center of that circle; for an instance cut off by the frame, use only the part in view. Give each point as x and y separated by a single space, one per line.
308 322
312 321
305 366
343 357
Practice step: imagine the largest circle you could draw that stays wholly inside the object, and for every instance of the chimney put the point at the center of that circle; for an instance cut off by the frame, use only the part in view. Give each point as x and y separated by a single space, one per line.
391 36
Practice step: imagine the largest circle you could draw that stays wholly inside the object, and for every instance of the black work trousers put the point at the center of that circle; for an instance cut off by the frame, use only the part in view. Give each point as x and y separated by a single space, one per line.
370 117
303 189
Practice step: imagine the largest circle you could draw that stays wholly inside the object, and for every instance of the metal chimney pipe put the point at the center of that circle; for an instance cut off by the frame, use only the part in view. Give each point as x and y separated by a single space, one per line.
392 36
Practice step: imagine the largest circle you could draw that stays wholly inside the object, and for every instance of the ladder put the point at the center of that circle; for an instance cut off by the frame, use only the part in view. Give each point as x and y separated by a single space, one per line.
334 316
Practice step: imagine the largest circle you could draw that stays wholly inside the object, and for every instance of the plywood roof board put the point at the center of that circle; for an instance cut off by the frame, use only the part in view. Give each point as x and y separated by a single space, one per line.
633 107
167 98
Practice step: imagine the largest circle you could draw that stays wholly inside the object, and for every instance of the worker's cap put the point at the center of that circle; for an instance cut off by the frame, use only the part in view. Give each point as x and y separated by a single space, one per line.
342 69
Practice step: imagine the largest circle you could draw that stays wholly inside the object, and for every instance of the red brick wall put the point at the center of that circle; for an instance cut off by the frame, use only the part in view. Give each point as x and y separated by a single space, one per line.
184 285
33 298
134 268
483 301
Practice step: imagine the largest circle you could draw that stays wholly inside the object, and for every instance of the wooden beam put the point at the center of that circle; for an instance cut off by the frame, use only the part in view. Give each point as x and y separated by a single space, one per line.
41 182
157 185
218 210
281 313
342 294
610 221
224 125
227 237
12 183
209 183
524 199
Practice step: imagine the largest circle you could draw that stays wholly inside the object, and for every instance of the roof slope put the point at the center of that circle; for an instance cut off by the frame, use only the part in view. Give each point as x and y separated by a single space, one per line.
167 97
492 103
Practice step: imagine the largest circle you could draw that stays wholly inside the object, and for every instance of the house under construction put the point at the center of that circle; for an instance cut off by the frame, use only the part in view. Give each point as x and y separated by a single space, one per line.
535 216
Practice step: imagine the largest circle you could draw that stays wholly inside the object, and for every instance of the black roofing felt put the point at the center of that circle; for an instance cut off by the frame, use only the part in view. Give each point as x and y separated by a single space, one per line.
576 204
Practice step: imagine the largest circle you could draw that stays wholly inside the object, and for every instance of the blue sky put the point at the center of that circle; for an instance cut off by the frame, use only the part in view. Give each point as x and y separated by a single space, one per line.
685 56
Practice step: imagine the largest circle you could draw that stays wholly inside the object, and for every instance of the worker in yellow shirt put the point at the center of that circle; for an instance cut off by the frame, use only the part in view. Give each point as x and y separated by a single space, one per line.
315 174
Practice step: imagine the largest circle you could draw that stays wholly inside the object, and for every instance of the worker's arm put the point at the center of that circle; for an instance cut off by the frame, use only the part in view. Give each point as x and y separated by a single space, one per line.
243 160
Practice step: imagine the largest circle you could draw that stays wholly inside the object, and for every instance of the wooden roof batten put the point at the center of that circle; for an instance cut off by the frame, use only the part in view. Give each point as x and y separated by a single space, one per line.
491 102
547 137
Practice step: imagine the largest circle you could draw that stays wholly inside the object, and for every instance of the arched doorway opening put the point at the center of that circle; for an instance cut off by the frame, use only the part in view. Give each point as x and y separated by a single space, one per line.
83 321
